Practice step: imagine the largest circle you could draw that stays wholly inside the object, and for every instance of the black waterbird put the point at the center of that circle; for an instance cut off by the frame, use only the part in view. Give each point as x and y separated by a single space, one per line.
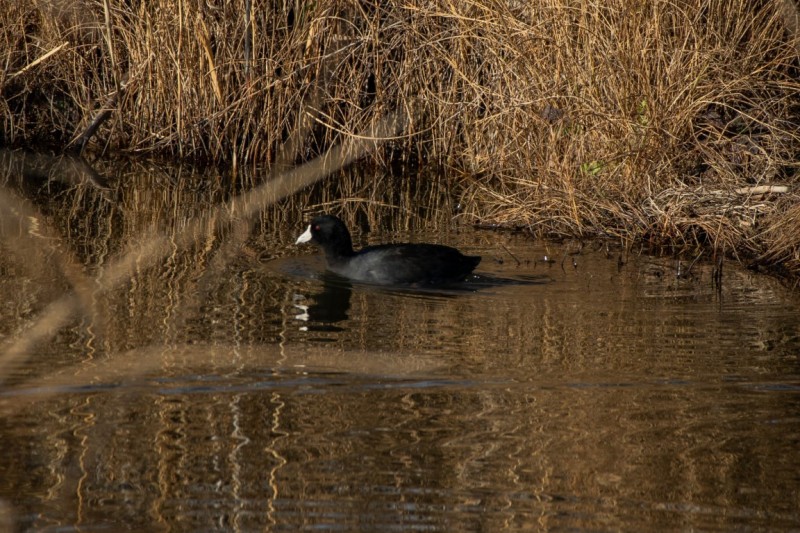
387 264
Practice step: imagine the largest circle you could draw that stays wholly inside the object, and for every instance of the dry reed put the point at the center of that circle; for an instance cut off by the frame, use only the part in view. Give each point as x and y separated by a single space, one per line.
634 120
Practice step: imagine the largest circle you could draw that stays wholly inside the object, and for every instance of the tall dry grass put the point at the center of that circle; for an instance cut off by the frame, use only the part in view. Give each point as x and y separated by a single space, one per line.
636 120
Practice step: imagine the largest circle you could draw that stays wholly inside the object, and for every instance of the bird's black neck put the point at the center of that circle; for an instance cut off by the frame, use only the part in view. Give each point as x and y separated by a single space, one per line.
340 249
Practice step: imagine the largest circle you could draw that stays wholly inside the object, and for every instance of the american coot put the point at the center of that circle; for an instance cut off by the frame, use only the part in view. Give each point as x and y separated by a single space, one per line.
387 264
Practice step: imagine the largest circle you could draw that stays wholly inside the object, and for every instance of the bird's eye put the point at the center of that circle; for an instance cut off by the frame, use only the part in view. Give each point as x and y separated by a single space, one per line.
316 228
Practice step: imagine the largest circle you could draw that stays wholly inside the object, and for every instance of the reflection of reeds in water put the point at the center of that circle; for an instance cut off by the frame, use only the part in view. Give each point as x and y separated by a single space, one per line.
149 253
134 264
151 246
165 443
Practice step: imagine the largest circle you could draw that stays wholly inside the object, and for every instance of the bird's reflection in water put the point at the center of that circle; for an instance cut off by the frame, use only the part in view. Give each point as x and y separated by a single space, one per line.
321 311
327 307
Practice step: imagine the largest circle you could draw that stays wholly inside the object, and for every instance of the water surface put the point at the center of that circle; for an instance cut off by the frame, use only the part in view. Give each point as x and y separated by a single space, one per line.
236 386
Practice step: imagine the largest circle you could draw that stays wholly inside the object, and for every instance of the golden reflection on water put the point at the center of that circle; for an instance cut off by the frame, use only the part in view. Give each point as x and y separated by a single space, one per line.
232 386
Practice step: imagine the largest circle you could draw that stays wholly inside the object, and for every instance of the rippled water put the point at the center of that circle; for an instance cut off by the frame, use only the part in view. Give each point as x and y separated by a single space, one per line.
594 390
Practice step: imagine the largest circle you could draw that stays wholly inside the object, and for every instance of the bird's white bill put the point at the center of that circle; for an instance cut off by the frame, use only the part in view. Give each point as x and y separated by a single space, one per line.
305 237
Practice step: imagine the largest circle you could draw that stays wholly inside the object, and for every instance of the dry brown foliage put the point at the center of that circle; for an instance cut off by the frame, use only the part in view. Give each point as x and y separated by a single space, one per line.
636 120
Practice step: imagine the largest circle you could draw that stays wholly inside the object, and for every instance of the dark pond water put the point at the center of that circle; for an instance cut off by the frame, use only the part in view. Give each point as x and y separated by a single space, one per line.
232 385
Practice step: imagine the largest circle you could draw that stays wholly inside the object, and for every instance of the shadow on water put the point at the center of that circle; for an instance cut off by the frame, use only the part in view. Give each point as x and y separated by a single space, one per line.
223 380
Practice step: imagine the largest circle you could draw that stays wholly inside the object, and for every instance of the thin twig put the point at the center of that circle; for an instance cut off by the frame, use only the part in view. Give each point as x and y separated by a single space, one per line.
41 58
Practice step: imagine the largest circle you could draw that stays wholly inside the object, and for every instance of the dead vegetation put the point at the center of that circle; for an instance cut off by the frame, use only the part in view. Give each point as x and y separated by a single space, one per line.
644 121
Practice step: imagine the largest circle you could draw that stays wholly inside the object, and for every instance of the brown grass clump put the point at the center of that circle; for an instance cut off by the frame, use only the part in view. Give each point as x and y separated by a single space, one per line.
781 238
636 120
